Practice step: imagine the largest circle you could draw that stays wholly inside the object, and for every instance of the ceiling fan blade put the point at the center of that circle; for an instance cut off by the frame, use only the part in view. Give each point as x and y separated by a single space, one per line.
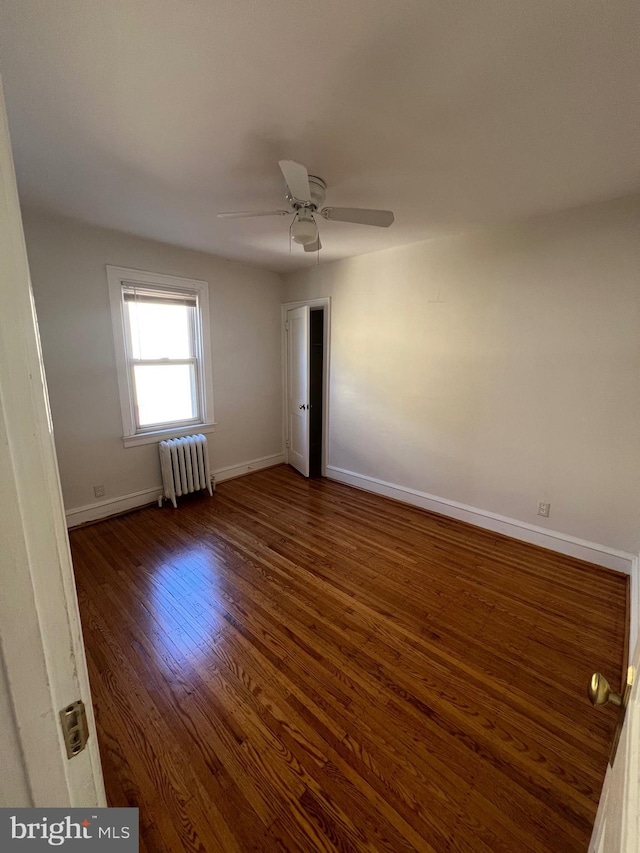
313 247
297 179
244 214
361 216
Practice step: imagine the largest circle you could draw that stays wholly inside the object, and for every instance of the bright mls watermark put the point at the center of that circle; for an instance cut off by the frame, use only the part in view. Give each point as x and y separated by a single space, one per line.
70 829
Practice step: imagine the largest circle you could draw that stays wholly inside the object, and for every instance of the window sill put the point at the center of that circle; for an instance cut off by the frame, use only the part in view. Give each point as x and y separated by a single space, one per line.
162 434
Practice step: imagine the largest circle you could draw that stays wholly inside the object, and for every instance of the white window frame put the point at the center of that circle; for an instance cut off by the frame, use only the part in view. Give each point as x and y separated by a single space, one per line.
133 435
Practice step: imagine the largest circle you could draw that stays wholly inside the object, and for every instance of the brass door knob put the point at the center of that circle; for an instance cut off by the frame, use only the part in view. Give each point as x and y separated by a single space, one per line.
601 693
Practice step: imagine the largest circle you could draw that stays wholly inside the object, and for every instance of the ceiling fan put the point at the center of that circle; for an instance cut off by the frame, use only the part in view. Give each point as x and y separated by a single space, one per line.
305 195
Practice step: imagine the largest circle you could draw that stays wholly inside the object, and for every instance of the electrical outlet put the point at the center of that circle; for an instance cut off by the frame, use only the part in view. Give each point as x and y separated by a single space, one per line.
98 491
544 509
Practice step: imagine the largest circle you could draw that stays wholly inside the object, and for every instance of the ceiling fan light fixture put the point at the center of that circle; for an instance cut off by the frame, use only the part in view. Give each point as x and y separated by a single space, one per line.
304 230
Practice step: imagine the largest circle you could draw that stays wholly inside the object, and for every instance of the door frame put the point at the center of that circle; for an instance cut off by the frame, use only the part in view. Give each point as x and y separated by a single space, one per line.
42 656
321 302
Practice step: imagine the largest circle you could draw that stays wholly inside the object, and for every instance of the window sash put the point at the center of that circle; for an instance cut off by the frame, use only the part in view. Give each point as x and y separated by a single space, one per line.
195 392
132 293
161 361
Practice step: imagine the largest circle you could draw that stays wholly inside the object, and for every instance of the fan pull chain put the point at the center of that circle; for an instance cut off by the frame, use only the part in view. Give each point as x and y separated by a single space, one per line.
290 227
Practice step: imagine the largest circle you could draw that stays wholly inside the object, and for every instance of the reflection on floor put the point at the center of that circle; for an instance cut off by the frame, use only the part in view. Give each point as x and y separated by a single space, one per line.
298 665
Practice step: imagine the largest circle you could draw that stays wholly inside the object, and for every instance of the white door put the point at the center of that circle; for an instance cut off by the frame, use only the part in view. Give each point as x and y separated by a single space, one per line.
42 662
617 827
298 388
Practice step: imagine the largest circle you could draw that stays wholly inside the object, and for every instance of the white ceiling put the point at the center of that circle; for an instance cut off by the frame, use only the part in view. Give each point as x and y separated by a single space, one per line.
152 115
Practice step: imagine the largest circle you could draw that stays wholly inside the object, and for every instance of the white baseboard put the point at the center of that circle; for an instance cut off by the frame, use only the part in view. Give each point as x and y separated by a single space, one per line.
232 471
114 506
581 549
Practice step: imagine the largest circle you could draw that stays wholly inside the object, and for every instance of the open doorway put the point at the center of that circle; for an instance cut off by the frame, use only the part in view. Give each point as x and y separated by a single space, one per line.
306 379
316 360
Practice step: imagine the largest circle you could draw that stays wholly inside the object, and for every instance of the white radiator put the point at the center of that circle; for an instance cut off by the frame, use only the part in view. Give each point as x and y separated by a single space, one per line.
185 467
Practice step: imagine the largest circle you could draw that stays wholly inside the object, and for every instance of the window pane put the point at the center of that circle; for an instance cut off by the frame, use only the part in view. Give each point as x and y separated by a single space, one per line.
160 330
164 393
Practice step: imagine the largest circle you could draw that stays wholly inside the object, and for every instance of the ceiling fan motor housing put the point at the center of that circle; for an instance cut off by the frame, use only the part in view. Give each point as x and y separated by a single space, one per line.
317 188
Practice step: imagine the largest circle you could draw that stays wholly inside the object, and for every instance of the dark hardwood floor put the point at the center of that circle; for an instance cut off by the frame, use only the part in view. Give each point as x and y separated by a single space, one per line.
298 665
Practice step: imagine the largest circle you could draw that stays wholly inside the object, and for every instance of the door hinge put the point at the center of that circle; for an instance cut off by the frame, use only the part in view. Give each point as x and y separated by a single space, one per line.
286 326
286 444
73 720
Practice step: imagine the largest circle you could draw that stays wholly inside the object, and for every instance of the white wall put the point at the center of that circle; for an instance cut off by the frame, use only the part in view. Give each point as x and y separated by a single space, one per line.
67 261
496 369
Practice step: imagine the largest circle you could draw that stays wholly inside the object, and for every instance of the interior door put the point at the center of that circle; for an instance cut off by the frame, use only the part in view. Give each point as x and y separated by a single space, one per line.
42 662
617 827
298 339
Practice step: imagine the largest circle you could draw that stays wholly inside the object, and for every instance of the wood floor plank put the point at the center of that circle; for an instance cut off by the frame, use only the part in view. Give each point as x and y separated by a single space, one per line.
298 665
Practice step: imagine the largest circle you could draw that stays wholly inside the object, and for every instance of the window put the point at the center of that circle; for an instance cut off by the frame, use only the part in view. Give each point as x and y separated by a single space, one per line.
161 334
